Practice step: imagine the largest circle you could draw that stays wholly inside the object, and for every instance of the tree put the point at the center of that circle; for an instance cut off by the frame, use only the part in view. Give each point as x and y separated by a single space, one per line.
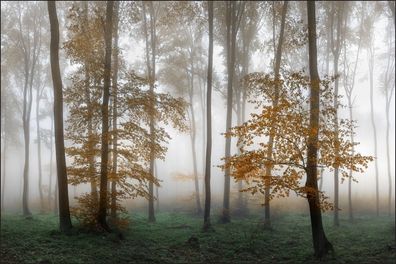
64 213
115 108
234 12
28 46
349 84
267 219
320 242
206 224
184 56
105 118
388 88
299 138
369 34
336 45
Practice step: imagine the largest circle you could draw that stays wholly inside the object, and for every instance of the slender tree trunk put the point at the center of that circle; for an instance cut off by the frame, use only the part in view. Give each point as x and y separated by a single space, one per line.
268 168
151 214
388 159
350 171
156 189
64 213
202 99
4 160
56 209
192 137
233 16
51 160
26 136
230 71
206 224
40 172
371 77
105 119
152 122
113 212
320 243
336 48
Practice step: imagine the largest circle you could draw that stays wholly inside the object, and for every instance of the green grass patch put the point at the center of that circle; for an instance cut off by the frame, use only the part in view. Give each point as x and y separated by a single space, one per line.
177 238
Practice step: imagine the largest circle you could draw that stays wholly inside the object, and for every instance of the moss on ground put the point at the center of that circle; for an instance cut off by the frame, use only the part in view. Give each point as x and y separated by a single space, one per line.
177 238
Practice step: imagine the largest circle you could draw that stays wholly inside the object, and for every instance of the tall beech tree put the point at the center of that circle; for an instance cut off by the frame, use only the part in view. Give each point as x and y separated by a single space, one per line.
320 242
105 118
206 224
234 12
267 173
64 213
336 40
299 138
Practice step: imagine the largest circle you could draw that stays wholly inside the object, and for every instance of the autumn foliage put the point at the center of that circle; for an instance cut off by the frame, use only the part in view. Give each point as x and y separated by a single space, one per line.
289 121
135 144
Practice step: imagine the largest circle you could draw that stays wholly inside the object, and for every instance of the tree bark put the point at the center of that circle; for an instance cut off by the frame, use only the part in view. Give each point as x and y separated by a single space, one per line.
40 174
320 243
336 48
51 160
4 159
192 137
233 18
207 225
64 213
150 63
371 77
105 119
268 168
113 211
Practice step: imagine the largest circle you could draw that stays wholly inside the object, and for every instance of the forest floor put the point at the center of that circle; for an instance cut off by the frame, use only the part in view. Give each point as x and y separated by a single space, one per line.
177 238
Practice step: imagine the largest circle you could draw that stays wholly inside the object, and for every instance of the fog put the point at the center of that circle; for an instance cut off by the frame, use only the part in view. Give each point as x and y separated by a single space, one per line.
175 193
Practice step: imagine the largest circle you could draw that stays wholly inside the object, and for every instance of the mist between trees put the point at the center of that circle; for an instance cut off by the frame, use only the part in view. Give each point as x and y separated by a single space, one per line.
222 109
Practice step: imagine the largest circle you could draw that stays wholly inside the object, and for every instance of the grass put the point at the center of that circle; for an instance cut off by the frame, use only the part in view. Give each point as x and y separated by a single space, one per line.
177 238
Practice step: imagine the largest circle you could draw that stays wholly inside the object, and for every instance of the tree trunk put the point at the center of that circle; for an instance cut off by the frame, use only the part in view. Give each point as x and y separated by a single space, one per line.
39 149
50 167
336 48
26 137
105 119
206 225
192 137
113 211
233 16
156 190
268 168
388 159
152 122
371 77
64 213
4 160
320 243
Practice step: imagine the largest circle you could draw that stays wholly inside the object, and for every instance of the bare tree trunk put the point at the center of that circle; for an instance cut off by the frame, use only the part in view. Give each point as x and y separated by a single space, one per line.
152 122
320 243
4 159
156 189
206 224
233 18
336 48
51 160
64 213
192 137
268 168
38 95
371 70
105 119
113 212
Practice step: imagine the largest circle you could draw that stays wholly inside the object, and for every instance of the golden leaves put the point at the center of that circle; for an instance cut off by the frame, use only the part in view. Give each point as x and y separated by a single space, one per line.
288 122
